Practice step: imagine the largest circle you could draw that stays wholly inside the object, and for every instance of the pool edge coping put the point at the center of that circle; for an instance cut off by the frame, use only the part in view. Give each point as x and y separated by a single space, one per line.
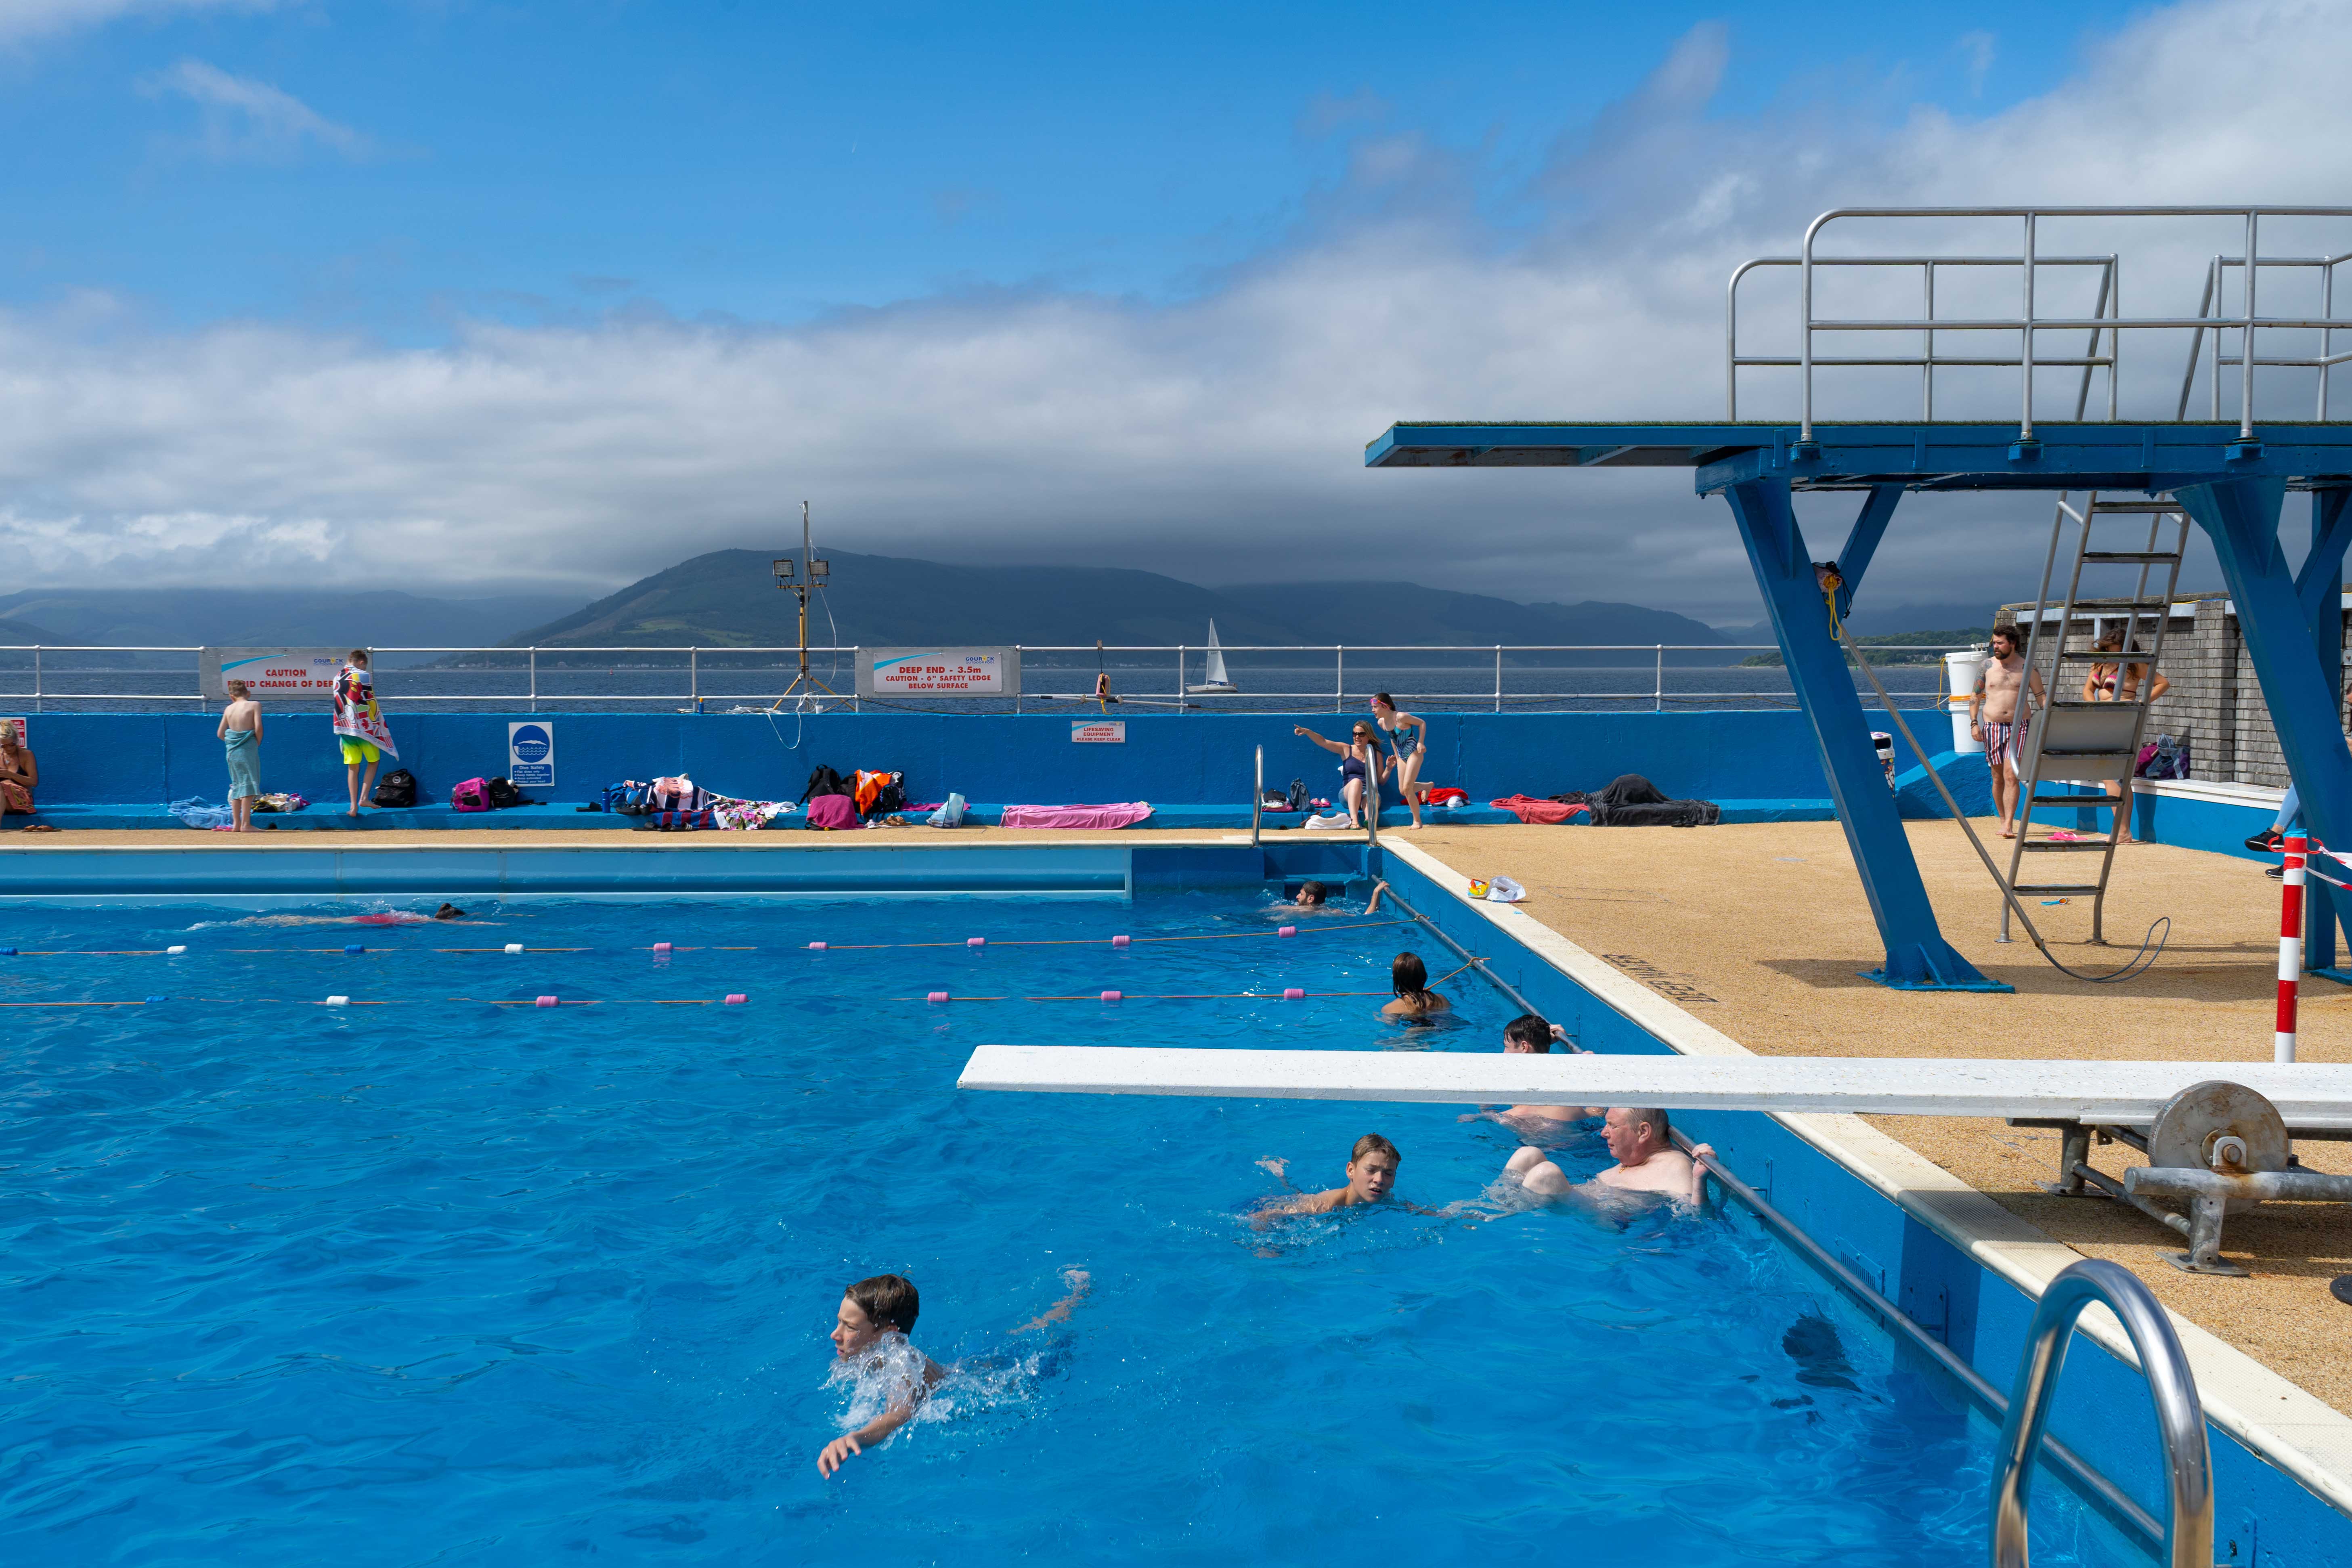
2279 1421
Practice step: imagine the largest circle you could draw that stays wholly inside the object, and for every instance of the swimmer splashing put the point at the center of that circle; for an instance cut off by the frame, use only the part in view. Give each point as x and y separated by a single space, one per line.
871 1348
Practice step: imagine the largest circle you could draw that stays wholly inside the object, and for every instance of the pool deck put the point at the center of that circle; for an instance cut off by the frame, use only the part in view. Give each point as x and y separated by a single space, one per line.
1758 930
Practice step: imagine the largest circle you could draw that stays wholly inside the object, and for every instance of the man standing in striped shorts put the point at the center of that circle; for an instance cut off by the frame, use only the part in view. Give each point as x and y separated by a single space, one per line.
1998 718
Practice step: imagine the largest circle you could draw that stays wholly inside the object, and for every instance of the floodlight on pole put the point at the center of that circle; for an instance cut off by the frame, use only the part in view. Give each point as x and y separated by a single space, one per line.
813 572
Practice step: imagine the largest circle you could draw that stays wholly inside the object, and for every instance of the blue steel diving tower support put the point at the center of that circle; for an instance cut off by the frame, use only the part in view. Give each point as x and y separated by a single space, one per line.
2229 472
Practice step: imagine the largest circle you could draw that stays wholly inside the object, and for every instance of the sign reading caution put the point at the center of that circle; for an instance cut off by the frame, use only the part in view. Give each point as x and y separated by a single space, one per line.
530 755
938 672
276 675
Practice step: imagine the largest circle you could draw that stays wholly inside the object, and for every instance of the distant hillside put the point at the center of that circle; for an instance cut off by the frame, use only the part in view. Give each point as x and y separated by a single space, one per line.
233 618
728 597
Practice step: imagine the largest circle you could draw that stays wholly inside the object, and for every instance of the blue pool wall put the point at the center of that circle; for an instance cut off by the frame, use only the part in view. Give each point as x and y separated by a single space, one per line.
1754 755
2101 1409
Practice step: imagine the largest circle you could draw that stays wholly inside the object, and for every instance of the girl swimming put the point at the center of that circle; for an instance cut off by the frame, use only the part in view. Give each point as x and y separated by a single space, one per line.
1414 999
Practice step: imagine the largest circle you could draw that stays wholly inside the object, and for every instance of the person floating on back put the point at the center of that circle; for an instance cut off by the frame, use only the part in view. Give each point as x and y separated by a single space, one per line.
1648 1162
1414 999
361 729
240 732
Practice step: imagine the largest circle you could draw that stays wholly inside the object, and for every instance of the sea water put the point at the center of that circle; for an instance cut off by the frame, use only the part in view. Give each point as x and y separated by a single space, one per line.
445 1281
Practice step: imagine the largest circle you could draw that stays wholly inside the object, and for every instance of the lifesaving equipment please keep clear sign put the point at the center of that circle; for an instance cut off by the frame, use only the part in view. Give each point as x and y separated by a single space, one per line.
938 672
530 755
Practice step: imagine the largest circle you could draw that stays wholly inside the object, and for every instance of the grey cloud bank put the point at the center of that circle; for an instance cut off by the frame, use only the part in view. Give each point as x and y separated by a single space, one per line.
1218 439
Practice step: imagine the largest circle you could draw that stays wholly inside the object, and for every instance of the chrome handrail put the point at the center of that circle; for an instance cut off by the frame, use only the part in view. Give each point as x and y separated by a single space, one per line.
1258 798
2180 1415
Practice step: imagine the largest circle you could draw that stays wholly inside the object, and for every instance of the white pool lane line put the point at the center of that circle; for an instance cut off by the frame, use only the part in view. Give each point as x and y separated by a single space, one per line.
2296 1431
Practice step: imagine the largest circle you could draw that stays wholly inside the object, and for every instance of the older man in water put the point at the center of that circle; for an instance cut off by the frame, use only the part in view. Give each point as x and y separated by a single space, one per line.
1648 1162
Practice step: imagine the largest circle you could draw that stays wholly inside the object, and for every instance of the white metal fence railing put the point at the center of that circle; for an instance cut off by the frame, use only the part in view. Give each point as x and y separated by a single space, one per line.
2300 340
1270 676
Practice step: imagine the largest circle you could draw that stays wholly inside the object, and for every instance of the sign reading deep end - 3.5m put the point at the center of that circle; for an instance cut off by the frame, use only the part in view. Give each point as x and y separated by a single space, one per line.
938 672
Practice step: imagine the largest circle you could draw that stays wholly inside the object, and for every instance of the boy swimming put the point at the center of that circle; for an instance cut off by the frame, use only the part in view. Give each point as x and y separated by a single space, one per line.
1371 1179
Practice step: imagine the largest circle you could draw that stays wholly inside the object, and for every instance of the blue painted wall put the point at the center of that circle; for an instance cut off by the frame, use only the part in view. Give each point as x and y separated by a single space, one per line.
101 759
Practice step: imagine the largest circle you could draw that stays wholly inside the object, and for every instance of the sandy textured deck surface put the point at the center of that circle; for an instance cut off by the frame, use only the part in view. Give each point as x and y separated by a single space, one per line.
1760 930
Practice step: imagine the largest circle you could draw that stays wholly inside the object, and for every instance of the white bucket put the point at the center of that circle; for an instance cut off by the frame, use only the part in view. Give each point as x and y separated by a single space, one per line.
1960 671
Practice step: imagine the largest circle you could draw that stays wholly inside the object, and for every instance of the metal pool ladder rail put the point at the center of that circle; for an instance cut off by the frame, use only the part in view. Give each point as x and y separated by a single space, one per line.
2179 1415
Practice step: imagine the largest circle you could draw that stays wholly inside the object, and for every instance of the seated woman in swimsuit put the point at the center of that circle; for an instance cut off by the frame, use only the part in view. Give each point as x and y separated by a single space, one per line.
1357 761
19 773
2119 683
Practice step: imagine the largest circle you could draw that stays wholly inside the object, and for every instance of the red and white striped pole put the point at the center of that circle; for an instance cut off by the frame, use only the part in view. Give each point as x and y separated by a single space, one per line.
2290 971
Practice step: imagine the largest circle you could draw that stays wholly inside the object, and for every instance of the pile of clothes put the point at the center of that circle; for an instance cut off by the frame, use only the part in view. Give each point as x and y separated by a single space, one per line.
1629 801
678 805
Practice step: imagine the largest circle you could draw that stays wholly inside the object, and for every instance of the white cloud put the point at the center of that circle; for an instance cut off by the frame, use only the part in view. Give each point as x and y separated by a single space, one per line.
23 19
1978 50
1219 438
245 119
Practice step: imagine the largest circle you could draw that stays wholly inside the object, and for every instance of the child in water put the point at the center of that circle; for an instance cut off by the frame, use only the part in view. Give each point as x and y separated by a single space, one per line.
869 1337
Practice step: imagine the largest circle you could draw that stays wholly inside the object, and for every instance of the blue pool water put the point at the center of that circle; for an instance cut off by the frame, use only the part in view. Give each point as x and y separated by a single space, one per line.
440 1281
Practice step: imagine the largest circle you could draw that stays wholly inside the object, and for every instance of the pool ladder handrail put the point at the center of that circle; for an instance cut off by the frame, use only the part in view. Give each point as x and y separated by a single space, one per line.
2180 1415
1258 799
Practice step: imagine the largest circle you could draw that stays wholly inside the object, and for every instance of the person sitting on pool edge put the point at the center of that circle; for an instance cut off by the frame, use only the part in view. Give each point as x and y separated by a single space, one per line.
1414 999
871 1311
1530 1034
1648 1162
1371 1179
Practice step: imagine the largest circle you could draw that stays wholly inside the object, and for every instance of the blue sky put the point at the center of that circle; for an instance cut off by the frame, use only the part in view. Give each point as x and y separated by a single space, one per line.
773 163
491 298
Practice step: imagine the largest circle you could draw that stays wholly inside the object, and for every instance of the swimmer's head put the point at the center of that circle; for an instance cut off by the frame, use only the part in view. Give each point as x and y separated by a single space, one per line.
1383 702
237 690
872 1308
1408 975
1636 1132
1364 735
449 912
1527 1033
1372 1167
1312 894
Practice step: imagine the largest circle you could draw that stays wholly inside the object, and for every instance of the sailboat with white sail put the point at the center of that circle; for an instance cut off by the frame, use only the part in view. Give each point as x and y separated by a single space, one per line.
1215 683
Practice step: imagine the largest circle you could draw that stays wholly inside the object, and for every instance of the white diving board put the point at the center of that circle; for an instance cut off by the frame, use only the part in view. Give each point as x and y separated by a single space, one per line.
2311 1096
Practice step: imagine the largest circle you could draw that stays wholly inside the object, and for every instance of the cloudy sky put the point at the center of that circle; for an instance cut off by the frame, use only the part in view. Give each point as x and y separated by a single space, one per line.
462 297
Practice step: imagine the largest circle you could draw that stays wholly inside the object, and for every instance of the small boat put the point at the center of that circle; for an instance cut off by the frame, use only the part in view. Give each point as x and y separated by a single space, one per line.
1215 683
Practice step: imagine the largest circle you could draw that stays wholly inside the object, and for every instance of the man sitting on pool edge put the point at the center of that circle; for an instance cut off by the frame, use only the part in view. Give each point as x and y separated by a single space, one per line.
1648 1162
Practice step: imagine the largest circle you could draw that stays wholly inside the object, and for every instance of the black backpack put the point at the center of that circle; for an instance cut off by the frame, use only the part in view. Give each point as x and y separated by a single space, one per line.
823 780
503 794
1298 799
394 789
893 796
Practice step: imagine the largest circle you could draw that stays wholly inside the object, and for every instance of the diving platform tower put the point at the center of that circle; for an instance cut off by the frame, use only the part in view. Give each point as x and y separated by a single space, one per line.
2013 321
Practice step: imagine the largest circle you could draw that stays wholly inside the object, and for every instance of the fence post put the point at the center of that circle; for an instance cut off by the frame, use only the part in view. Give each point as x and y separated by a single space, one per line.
1338 678
694 678
37 679
1498 677
1658 694
1180 677
1016 684
534 681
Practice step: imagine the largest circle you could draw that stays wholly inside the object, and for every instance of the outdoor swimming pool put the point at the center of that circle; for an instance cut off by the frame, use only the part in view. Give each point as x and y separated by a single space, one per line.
453 1282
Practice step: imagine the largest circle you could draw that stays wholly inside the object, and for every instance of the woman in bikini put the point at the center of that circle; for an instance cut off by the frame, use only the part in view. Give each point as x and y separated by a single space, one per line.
2119 683
1409 977
1357 759
1408 759
19 773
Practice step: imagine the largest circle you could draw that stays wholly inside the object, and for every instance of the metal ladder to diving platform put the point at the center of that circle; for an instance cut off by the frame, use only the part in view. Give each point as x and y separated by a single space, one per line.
2081 741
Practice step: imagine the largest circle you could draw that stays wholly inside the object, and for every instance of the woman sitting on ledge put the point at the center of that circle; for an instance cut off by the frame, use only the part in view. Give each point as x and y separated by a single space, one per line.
19 773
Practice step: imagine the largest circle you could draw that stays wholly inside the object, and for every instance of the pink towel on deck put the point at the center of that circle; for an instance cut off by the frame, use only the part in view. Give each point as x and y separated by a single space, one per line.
1527 808
1122 815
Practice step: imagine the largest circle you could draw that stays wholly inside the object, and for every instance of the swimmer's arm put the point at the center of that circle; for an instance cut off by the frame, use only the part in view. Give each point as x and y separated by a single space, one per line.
1378 889
1078 1282
1326 745
836 1453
